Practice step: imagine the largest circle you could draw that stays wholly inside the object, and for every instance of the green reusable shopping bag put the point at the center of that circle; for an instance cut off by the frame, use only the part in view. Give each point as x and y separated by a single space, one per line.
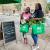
24 28
38 28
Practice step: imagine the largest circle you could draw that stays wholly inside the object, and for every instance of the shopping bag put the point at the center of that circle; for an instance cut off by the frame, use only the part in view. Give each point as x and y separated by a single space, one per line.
24 28
38 28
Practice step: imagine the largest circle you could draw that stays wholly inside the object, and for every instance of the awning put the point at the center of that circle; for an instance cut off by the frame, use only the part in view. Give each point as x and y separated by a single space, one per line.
9 1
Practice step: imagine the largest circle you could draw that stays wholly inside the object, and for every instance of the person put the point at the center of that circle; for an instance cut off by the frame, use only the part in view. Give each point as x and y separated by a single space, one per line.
37 15
25 16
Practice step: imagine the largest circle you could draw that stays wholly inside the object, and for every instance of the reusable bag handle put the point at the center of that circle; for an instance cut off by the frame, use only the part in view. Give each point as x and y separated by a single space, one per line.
39 20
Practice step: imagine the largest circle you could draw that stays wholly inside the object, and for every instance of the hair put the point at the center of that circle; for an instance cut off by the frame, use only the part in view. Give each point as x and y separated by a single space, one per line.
28 9
39 6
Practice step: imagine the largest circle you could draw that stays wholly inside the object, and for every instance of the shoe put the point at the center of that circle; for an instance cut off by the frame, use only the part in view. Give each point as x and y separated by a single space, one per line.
35 47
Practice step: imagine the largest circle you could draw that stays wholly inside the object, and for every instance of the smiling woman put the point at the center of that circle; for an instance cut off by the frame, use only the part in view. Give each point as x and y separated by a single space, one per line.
9 1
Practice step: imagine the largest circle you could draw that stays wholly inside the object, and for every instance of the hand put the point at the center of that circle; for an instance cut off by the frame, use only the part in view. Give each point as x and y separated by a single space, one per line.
27 20
37 18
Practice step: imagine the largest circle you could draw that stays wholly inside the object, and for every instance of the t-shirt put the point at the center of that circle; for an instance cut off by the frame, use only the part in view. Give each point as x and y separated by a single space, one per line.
26 16
38 14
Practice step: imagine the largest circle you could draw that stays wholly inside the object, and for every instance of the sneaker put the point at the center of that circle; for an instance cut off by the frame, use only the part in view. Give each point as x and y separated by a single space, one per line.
35 47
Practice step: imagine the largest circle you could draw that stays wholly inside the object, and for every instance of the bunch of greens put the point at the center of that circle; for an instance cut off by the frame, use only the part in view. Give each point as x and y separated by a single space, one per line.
31 22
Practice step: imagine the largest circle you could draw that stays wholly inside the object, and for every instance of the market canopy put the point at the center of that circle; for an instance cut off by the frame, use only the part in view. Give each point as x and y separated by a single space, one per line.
9 1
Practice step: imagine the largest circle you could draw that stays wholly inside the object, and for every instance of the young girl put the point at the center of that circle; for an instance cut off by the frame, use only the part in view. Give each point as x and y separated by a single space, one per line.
25 16
38 15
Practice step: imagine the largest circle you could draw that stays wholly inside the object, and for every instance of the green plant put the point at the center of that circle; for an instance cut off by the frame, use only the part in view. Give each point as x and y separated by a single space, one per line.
47 7
18 6
32 22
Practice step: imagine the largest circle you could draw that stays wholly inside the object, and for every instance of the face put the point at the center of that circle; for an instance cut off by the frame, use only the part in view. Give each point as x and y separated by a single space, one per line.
27 10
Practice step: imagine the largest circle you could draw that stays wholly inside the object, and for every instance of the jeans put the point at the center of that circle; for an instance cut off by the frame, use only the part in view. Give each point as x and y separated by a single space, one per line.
35 38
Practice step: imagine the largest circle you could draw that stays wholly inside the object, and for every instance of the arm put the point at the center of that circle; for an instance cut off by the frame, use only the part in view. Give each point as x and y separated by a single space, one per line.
29 17
38 15
37 18
21 17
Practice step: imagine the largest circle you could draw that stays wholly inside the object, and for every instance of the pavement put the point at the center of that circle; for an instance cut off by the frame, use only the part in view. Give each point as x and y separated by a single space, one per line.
19 45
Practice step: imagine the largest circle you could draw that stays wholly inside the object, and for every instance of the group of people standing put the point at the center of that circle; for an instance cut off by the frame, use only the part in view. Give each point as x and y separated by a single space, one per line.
27 15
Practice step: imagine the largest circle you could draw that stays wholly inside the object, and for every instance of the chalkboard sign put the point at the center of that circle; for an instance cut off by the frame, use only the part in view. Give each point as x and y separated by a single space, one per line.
9 31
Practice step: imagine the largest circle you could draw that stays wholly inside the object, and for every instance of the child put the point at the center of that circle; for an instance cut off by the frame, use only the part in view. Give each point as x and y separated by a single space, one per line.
25 16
